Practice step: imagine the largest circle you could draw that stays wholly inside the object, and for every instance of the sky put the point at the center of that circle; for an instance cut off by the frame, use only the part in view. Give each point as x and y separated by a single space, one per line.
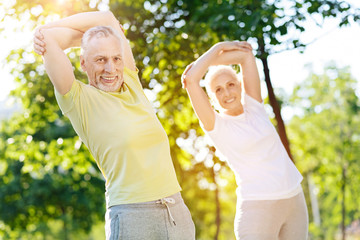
10 40
340 45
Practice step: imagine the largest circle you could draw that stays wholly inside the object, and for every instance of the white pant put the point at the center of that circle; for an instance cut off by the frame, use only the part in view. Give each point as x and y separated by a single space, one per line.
281 219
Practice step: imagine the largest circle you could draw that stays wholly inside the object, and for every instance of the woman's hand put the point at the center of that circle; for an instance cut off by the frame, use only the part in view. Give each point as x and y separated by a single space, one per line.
183 76
235 52
222 53
232 46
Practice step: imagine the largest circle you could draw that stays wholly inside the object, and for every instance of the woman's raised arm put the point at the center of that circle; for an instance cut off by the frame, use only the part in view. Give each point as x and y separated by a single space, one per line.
196 71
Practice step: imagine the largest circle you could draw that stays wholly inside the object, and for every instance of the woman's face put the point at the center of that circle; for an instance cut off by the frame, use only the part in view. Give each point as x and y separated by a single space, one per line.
227 91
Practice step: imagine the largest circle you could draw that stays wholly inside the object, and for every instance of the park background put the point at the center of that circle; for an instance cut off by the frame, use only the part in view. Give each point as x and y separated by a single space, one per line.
50 187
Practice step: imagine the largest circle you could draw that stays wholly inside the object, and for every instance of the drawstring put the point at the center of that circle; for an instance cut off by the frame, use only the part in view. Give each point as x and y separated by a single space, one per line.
165 201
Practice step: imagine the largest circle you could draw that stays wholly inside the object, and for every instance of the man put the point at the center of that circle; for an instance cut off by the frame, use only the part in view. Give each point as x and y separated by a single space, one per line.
116 122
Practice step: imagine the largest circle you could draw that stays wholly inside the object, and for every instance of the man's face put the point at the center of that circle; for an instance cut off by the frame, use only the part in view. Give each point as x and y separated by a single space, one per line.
104 64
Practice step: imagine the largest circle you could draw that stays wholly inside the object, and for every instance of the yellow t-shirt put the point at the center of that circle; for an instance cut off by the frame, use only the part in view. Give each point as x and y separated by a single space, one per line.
125 137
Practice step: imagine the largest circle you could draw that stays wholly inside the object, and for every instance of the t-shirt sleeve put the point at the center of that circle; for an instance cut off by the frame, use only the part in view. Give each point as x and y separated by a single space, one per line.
253 105
70 106
217 134
216 131
66 102
133 77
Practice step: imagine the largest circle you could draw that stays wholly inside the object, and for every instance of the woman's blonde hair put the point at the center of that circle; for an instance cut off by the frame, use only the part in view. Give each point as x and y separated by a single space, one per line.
215 71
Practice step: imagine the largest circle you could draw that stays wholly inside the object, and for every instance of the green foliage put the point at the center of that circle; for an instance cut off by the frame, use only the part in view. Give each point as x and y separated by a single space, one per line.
326 137
49 184
171 34
46 174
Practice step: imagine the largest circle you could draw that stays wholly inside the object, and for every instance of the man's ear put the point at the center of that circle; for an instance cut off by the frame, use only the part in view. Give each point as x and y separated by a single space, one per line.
82 63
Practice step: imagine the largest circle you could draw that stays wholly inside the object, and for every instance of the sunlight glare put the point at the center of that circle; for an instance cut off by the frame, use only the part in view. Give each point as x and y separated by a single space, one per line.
62 2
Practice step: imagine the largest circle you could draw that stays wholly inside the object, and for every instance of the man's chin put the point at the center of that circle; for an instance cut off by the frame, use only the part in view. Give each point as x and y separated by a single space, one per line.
111 88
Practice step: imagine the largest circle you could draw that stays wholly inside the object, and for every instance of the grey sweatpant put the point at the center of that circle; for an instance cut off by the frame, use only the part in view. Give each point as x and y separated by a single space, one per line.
282 219
169 219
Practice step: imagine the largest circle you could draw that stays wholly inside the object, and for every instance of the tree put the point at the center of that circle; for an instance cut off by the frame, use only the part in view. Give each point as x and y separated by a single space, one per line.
274 26
326 137
47 176
174 33
165 37
43 126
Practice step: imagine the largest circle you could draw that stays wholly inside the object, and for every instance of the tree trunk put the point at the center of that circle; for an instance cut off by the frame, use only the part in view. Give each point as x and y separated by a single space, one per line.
218 219
272 98
343 185
217 202
65 230
313 200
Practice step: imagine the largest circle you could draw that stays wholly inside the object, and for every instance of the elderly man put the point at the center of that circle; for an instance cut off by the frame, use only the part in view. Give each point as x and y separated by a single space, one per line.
115 120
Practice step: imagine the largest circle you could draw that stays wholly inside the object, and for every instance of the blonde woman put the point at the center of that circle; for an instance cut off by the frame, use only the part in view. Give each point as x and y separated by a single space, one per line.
271 202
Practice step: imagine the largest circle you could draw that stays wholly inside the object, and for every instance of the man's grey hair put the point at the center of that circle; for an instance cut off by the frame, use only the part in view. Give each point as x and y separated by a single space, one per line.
98 32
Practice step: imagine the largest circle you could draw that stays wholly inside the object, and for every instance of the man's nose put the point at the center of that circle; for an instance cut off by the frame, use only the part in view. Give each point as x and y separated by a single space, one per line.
109 66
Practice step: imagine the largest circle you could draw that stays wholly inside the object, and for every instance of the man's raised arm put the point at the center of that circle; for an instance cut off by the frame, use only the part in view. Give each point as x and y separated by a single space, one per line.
51 43
84 21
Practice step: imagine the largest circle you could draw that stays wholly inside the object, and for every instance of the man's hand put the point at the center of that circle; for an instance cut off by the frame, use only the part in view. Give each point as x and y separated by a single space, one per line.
39 44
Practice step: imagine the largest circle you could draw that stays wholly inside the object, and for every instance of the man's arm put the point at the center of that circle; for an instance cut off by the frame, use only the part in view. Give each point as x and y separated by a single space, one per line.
84 21
57 64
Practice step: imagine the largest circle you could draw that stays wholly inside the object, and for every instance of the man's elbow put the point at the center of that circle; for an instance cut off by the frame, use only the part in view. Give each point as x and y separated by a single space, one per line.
109 14
61 37
49 35
110 18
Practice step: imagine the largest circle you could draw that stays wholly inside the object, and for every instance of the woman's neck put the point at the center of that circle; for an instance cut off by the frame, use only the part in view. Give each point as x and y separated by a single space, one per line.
235 112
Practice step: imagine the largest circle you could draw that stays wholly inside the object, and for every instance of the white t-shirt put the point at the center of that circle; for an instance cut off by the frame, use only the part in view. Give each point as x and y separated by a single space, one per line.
255 153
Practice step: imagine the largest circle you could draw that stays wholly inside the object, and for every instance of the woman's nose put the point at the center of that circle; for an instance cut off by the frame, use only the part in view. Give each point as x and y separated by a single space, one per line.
226 92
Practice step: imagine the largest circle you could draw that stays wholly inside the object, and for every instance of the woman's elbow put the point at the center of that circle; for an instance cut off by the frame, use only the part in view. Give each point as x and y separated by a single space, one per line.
187 80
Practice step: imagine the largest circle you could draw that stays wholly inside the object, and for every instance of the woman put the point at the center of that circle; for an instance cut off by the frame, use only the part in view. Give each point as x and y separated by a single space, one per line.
271 203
